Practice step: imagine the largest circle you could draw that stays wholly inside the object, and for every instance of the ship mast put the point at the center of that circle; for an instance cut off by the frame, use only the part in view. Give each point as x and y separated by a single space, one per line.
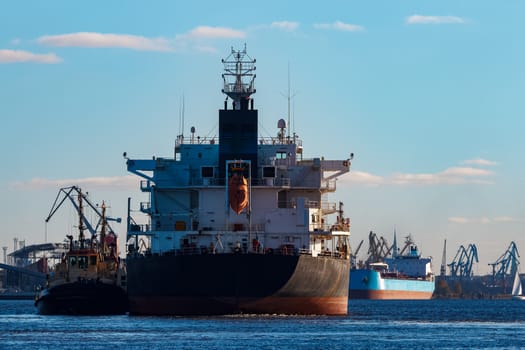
81 237
238 132
239 78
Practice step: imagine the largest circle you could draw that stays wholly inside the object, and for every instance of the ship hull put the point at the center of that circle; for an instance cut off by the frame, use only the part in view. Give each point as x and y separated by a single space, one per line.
82 298
368 284
237 283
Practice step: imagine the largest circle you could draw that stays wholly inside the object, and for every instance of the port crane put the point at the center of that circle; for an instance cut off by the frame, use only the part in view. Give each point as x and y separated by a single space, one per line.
507 263
378 248
463 262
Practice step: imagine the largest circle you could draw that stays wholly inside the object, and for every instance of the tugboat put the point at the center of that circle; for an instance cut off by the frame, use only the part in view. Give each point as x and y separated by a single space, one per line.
238 224
90 279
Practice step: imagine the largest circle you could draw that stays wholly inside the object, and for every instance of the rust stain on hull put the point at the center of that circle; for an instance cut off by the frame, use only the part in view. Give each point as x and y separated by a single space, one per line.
165 305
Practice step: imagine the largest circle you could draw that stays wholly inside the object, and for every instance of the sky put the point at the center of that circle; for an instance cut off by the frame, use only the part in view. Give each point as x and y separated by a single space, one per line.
428 95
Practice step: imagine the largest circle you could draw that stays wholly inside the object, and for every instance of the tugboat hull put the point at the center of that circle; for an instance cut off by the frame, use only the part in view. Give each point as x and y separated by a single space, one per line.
237 283
82 298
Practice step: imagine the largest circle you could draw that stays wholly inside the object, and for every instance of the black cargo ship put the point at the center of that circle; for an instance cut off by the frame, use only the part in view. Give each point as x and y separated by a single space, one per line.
238 223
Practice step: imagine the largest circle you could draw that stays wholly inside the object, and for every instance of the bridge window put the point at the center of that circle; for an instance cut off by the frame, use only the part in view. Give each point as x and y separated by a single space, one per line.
280 155
82 262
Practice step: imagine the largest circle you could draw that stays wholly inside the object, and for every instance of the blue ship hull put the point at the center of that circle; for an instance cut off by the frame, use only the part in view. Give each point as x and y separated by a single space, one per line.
369 284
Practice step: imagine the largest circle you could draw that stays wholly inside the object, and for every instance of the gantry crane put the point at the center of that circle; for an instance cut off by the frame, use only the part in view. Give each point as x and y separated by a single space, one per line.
507 263
464 261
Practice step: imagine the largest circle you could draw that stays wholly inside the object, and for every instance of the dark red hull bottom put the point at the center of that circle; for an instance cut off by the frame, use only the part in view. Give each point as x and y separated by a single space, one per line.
389 295
269 305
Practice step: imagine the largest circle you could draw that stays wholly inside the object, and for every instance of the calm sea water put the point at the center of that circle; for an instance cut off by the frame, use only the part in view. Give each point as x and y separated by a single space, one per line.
444 324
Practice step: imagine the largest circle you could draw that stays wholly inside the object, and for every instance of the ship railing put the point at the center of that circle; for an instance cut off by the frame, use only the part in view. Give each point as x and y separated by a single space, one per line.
215 181
328 185
283 181
270 181
207 181
308 204
192 249
195 140
328 229
239 88
289 250
320 229
262 140
332 254
311 204
304 251
281 140
141 229
328 207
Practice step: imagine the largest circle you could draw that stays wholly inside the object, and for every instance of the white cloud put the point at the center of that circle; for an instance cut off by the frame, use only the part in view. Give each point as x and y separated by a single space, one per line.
506 219
338 25
285 25
415 179
465 172
458 220
364 178
451 176
16 56
141 43
107 182
481 220
480 161
207 32
104 40
418 19
198 39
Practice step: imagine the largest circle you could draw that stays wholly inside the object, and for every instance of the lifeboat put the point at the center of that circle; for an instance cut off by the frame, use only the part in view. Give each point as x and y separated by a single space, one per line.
238 192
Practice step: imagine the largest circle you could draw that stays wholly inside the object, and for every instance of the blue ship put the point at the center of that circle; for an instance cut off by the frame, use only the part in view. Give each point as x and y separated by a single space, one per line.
403 276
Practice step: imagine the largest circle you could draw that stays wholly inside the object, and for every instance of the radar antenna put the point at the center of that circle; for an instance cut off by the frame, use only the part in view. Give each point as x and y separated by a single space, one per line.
239 78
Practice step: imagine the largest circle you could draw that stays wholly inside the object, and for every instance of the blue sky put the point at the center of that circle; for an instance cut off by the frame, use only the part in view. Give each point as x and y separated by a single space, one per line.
427 94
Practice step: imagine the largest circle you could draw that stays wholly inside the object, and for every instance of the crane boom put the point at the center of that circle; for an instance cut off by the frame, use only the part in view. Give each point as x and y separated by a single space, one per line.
69 193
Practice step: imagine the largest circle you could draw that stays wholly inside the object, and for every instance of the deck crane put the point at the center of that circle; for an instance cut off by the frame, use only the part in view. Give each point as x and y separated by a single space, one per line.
507 263
408 242
463 262
73 193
